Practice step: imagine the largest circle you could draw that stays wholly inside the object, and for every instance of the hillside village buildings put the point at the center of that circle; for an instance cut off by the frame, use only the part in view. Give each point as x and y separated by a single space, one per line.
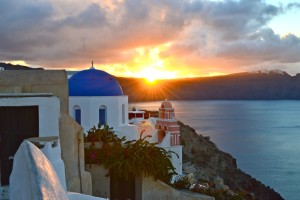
45 104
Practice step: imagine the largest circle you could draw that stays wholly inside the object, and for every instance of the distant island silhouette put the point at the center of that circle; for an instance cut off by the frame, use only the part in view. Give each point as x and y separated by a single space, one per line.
8 66
260 85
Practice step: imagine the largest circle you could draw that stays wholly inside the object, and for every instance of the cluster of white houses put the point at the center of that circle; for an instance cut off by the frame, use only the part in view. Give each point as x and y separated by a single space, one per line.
43 104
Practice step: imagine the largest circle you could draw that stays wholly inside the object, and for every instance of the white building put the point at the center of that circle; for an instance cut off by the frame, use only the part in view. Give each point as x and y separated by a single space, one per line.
34 103
136 116
97 98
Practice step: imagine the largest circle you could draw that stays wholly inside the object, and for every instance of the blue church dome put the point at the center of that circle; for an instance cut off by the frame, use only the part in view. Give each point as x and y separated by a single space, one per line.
93 82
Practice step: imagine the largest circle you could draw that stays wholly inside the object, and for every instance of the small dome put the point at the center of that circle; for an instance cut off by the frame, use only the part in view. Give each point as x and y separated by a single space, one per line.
93 82
166 104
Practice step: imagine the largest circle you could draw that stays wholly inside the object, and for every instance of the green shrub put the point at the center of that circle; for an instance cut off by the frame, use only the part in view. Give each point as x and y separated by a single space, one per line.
128 158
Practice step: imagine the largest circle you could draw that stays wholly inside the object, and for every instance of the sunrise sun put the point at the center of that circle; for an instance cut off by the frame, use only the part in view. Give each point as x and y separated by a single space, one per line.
151 66
151 74
150 80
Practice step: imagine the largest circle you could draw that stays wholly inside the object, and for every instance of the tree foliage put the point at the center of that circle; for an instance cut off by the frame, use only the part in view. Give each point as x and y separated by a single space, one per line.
128 158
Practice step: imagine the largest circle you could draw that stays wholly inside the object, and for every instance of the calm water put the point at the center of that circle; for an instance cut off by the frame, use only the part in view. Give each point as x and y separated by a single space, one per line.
264 136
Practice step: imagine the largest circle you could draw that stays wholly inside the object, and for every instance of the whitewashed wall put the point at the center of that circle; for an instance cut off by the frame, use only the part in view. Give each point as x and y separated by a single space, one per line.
49 111
90 110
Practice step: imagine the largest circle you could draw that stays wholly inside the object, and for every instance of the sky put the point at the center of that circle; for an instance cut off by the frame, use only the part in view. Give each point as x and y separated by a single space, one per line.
156 38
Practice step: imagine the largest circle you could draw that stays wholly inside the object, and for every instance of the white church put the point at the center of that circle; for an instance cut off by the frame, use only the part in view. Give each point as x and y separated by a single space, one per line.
95 97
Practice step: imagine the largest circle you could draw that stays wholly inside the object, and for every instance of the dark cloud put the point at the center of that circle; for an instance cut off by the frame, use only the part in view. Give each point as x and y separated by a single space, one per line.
237 33
293 5
32 30
263 46
92 17
71 33
233 19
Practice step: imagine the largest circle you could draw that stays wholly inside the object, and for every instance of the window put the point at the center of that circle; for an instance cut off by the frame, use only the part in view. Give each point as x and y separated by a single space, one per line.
139 115
165 128
102 115
77 114
123 114
131 115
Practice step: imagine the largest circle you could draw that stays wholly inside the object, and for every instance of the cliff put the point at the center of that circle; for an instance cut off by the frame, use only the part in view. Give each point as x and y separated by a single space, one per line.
202 158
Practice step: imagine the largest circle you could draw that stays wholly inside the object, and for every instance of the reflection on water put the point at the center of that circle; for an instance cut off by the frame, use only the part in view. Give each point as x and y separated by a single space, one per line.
264 136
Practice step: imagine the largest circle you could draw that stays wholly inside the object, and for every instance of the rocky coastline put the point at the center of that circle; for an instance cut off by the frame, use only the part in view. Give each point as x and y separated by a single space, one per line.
205 161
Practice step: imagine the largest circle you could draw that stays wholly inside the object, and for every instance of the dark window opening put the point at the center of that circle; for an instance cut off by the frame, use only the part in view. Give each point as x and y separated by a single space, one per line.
78 115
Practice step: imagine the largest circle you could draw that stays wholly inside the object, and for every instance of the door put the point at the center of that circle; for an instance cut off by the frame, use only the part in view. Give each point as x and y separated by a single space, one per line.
122 188
16 124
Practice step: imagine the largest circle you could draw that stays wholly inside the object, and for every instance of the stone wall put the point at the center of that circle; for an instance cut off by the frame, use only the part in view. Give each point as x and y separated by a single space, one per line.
71 137
145 188
37 81
152 189
100 180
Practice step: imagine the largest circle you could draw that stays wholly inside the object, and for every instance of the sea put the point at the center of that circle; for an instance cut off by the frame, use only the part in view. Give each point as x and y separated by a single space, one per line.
264 136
